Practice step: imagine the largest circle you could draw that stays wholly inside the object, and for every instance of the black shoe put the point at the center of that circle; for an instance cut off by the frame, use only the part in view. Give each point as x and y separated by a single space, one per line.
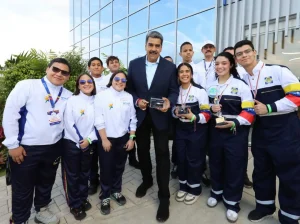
105 206
78 213
142 190
174 172
93 189
119 198
205 180
247 182
163 211
134 163
257 216
86 205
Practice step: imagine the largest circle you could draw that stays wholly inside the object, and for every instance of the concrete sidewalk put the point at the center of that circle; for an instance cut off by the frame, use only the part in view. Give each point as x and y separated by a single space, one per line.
143 210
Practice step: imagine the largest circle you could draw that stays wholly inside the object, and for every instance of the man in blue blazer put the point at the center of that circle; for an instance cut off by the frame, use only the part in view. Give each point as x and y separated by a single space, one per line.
152 76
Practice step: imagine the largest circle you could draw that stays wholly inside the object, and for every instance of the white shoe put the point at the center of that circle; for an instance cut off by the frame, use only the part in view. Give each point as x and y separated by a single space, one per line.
45 216
212 202
180 195
232 216
190 199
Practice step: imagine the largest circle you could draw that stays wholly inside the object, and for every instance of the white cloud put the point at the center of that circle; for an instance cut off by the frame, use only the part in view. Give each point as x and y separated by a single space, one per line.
39 24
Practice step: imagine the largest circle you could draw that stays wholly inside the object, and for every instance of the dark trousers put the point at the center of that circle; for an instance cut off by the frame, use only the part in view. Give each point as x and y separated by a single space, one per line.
190 145
161 153
228 160
36 174
94 174
75 168
112 165
276 151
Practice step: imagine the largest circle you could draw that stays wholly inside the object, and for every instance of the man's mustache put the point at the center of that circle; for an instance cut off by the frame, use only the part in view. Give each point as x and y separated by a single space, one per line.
208 51
153 52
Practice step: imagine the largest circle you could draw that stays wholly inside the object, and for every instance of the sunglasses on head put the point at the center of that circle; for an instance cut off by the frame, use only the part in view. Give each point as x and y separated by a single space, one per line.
117 79
82 82
57 70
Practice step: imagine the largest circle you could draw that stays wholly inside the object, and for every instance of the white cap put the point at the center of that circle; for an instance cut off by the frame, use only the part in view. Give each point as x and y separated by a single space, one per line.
208 42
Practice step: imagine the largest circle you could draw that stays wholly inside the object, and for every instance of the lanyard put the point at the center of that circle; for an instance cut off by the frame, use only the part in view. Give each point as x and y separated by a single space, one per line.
186 95
255 91
220 96
49 94
207 70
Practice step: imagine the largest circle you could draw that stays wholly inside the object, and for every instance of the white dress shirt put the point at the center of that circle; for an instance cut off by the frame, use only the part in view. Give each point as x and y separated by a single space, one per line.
101 82
150 71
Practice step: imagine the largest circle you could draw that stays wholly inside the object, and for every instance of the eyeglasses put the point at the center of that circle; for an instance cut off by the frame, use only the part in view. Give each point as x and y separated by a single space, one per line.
117 79
57 70
82 82
240 54
208 46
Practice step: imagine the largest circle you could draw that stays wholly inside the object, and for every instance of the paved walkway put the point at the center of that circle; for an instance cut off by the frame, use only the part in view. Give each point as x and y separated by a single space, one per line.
140 211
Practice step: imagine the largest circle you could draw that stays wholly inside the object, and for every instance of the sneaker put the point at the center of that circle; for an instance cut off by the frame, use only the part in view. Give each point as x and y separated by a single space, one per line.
205 180
232 216
247 182
78 213
180 195
93 189
257 216
119 198
86 205
190 199
105 206
212 202
12 222
45 216
174 172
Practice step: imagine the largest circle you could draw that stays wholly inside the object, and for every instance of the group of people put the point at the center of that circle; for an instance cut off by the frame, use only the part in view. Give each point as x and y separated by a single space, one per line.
213 105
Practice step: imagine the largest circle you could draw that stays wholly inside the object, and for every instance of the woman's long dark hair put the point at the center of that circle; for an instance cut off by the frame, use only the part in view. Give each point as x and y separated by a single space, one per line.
231 60
190 68
113 76
77 90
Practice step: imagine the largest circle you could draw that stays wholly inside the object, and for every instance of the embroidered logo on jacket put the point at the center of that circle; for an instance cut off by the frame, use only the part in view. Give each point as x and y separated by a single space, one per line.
191 98
81 112
47 98
234 90
110 106
268 80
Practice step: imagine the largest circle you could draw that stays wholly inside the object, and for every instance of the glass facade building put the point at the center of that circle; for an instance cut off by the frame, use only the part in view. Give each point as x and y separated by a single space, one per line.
119 27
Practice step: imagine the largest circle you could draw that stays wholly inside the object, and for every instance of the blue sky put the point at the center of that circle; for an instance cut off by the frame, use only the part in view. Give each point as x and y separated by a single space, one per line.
40 24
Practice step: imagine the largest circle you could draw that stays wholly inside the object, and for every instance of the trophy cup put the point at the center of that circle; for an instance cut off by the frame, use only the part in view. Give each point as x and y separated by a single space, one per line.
183 110
156 103
214 94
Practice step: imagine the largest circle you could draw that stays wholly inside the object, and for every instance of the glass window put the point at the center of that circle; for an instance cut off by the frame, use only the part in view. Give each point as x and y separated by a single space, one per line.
105 17
105 37
120 9
192 6
120 50
86 56
94 41
104 52
136 47
78 46
104 2
120 30
95 53
135 5
94 23
71 37
77 12
196 29
169 46
77 34
85 29
85 4
138 22
94 6
85 44
71 15
165 8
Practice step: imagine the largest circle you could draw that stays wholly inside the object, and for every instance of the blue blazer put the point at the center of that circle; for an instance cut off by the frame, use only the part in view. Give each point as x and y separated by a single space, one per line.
164 84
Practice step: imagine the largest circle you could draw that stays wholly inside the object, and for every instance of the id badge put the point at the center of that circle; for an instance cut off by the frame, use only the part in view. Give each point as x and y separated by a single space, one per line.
54 117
